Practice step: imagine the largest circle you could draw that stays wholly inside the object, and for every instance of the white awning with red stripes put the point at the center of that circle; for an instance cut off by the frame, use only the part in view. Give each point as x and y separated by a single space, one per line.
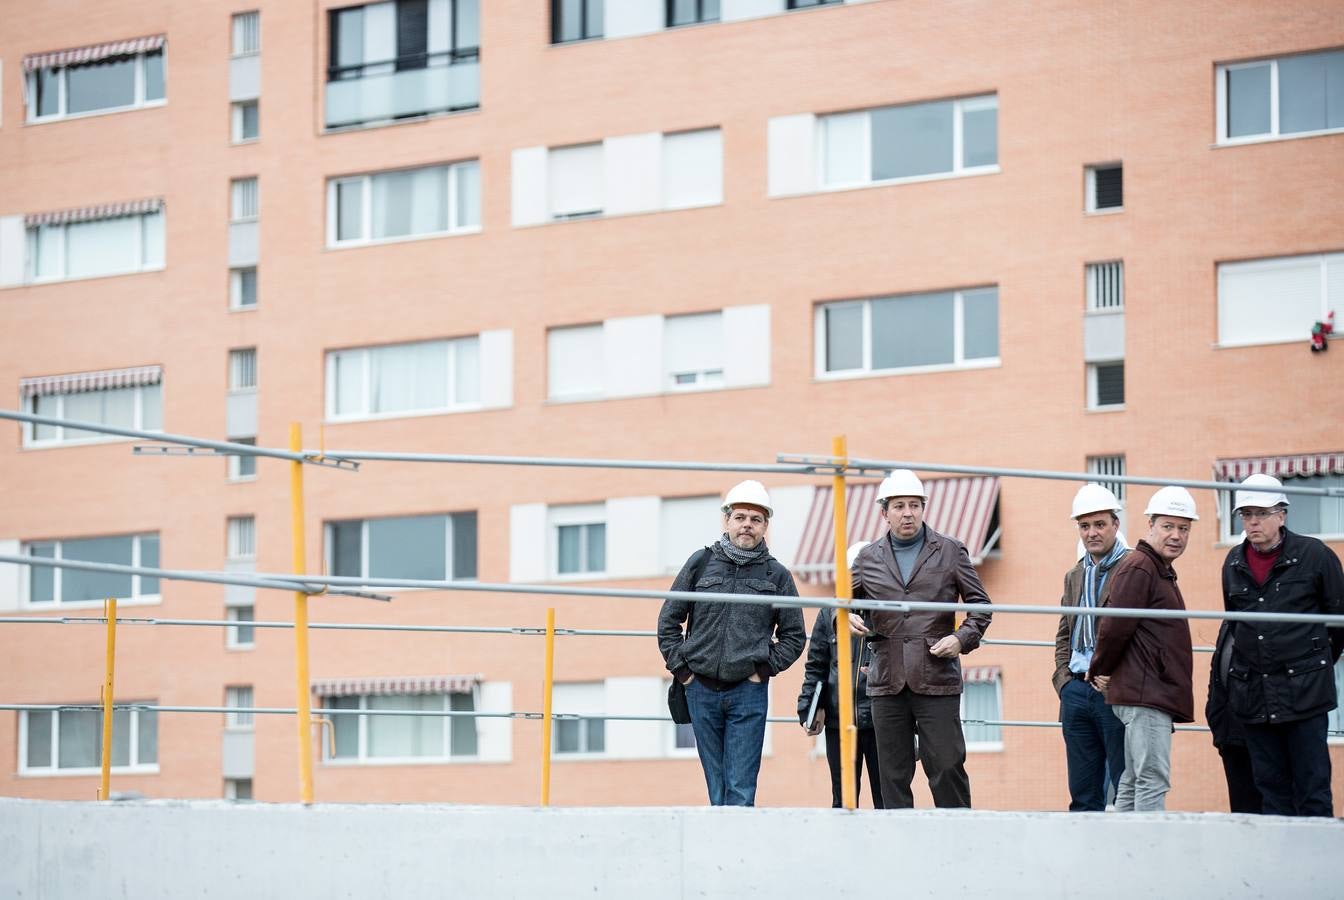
90 381
93 53
91 213
959 507
1302 465
979 674
396 684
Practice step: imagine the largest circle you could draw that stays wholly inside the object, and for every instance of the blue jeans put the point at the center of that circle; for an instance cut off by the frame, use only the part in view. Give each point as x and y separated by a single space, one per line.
729 732
1094 744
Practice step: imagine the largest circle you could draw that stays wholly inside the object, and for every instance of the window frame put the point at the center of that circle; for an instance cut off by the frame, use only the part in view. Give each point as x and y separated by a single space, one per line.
233 635
985 746
30 405
583 718
669 7
331 415
236 293
63 96
959 362
958 170
449 529
1093 404
234 695
570 515
585 9
238 23
27 770
1270 262
240 369
236 117
704 379
31 276
365 180
1222 96
240 538
362 757
1090 189
137 598
1093 274
234 465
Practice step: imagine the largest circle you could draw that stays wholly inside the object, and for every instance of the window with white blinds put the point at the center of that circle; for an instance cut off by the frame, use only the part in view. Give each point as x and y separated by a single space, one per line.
243 369
243 201
1272 301
1105 468
239 697
575 362
685 524
574 181
693 169
242 537
1105 286
246 33
693 351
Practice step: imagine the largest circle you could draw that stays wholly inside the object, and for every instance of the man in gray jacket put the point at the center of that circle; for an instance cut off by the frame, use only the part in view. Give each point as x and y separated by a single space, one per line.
728 651
915 676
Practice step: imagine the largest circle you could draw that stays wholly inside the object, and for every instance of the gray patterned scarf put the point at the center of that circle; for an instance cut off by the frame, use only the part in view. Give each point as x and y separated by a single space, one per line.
740 556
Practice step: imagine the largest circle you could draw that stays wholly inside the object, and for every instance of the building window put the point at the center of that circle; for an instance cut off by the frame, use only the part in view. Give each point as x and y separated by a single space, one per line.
692 164
404 379
1106 468
1106 385
983 700
805 4
1105 188
237 788
910 142
246 121
1292 96
909 333
243 200
574 362
579 736
1273 301
112 80
242 467
578 539
576 20
238 698
243 288
241 636
429 548
246 33
242 538
402 59
693 351
124 398
690 12
92 243
68 586
391 738
243 369
685 524
1106 286
1321 517
574 181
410 203
71 741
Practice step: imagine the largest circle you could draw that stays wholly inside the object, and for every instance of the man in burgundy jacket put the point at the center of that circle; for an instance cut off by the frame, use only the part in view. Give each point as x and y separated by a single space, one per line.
1145 666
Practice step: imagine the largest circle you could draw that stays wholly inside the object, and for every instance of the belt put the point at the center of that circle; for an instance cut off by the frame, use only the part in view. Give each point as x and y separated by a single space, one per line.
1080 676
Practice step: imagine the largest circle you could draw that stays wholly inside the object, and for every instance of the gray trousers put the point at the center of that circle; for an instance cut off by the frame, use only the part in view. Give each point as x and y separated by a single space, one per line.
1147 778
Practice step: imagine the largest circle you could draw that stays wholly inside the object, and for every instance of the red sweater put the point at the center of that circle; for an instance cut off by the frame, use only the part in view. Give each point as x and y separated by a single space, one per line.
1260 563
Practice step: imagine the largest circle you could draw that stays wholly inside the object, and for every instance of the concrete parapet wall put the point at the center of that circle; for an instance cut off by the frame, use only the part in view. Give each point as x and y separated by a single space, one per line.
175 849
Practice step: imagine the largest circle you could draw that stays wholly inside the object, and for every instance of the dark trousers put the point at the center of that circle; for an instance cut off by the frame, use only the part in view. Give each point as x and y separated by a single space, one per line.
865 749
1242 794
1094 745
1291 764
897 719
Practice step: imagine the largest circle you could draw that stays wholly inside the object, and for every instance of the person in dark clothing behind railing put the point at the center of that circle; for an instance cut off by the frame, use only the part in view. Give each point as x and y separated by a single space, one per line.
823 667
728 651
1229 735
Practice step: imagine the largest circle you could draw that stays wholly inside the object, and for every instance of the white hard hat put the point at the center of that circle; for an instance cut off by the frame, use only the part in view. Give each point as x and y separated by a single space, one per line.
1093 498
1172 501
853 552
900 483
1266 498
750 493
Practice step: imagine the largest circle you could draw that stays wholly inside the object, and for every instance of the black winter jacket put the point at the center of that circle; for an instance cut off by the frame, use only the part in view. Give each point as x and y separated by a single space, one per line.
823 662
729 641
1228 730
1284 672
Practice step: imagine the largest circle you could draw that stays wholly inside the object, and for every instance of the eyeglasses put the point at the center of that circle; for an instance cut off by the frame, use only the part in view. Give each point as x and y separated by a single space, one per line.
1256 515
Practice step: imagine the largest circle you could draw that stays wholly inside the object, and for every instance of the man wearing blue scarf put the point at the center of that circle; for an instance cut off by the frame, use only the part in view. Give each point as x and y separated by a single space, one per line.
1094 739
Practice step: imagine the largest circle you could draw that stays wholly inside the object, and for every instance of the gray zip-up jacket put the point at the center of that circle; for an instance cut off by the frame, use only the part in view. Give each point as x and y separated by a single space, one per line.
730 641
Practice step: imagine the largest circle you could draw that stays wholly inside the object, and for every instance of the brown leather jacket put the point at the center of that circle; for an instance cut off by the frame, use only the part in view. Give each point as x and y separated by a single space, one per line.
942 572
1150 661
1073 586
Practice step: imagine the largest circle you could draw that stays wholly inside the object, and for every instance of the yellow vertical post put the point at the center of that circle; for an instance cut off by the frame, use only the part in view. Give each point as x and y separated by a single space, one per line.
843 591
301 685
547 686
110 613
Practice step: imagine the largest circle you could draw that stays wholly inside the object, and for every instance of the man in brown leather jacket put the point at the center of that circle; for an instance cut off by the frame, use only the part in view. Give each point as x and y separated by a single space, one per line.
914 678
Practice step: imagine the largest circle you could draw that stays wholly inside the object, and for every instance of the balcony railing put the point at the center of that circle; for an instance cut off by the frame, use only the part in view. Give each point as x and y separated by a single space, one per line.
420 84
